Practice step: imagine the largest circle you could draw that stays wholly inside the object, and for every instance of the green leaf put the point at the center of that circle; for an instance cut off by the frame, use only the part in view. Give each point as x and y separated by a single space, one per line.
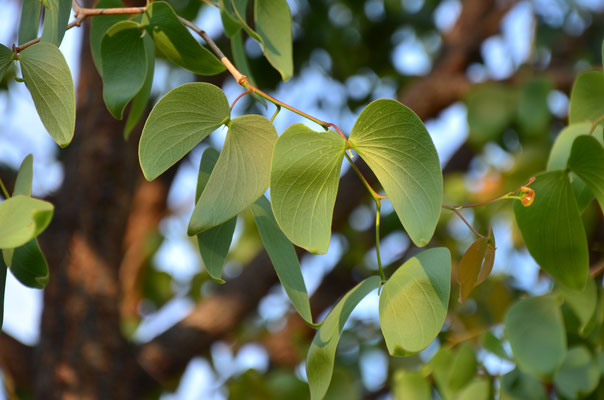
579 374
469 267
99 25
516 385
230 21
441 367
6 58
178 122
536 333
56 17
140 101
176 43
283 256
241 174
49 81
582 302
28 264
586 98
560 152
489 259
22 219
304 182
240 10
322 351
29 24
395 144
553 231
25 177
587 161
413 303
479 389
273 23
124 62
215 242
463 368
2 289
411 385
493 344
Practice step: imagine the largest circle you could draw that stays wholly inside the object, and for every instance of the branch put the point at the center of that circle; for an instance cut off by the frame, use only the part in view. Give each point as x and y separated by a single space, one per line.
16 361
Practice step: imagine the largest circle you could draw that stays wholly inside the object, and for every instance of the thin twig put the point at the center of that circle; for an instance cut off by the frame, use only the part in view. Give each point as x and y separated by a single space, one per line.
456 211
4 191
238 97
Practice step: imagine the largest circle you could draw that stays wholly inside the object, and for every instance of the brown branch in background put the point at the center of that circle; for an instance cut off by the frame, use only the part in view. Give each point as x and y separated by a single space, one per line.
16 361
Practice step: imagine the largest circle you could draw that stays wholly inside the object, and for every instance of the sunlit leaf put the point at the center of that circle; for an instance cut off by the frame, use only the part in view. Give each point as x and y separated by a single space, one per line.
49 81
322 351
553 231
178 122
395 144
99 25
578 375
479 389
6 58
25 177
215 242
22 219
273 23
587 161
586 98
176 43
414 301
536 333
56 17
411 385
304 183
516 385
140 101
241 174
283 256
124 65
29 24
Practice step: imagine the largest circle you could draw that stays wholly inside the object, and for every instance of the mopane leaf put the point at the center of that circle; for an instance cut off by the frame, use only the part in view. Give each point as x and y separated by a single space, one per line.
441 367
56 17
178 122
49 81
463 368
240 10
586 98
22 219
304 183
140 101
230 21
29 23
516 385
2 289
579 374
241 174
587 161
99 25
28 264
560 153
582 302
25 177
489 259
176 43
413 303
536 333
283 256
411 385
553 231
6 58
479 389
469 267
395 144
273 23
322 351
215 242
124 62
